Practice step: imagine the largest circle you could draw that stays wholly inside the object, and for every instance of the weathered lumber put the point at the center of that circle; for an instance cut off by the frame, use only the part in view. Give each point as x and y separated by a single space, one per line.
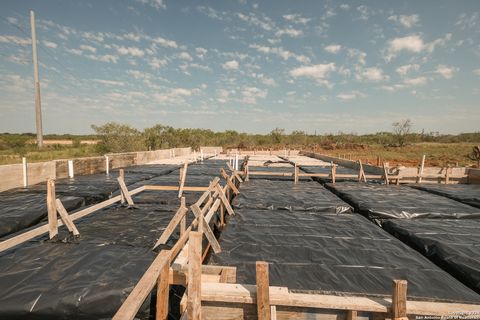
142 289
205 228
177 218
183 176
263 295
399 300
124 191
229 181
163 286
67 221
175 188
194 288
52 209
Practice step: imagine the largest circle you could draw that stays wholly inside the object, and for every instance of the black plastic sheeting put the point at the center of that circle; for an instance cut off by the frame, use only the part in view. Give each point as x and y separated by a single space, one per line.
330 253
137 226
310 196
290 169
466 193
21 210
328 170
400 202
25 207
454 245
69 281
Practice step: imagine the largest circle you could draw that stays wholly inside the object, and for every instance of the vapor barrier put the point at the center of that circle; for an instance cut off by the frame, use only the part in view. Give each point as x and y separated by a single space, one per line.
454 245
328 170
466 193
138 226
378 201
69 281
20 210
330 253
275 178
25 207
309 196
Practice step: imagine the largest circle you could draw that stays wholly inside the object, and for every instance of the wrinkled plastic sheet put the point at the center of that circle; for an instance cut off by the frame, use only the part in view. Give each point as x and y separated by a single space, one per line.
454 245
466 193
69 281
330 253
138 226
289 169
20 210
267 194
378 201
328 170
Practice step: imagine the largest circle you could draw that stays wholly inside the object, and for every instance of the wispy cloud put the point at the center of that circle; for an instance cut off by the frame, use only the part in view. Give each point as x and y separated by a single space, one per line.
230 65
406 21
333 48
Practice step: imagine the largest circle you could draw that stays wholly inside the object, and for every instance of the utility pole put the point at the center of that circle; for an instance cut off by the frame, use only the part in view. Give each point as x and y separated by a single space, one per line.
38 102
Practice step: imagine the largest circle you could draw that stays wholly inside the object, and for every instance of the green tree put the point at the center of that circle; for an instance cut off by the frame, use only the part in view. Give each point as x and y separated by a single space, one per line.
401 131
117 137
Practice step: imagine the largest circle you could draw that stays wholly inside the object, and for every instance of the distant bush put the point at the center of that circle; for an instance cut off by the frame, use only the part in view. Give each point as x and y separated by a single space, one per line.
116 137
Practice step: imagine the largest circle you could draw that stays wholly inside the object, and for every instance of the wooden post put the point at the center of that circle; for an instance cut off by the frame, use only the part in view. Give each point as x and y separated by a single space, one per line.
420 173
351 315
70 169
183 176
124 191
121 175
36 82
385 173
183 222
163 290
194 294
361 173
295 179
25 172
378 161
263 291
67 221
334 171
52 209
107 165
399 300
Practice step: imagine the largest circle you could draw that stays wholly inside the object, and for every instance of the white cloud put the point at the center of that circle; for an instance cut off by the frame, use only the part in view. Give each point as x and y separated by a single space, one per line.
201 52
318 72
468 21
333 48
403 70
185 56
212 13
156 4
420 81
50 44
347 96
445 71
344 6
131 51
14 39
296 18
103 58
222 95
263 22
364 11
406 21
284 54
17 84
132 36
156 63
414 44
174 96
165 42
477 72
268 81
110 82
291 32
230 65
88 48
359 55
251 94
372 74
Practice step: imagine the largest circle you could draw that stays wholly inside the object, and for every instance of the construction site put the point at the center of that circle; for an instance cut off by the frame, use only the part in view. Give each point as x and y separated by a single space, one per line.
223 234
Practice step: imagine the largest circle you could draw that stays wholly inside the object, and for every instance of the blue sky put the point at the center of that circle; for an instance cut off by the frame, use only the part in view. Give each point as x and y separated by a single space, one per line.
324 66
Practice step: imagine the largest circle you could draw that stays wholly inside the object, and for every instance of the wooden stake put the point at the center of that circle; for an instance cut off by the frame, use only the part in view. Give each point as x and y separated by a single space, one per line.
124 191
163 292
203 227
334 171
263 292
52 209
194 288
351 315
67 221
399 300
182 179
122 175
295 179
183 222
224 200
25 172
177 218
385 174
420 172
229 181
361 173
